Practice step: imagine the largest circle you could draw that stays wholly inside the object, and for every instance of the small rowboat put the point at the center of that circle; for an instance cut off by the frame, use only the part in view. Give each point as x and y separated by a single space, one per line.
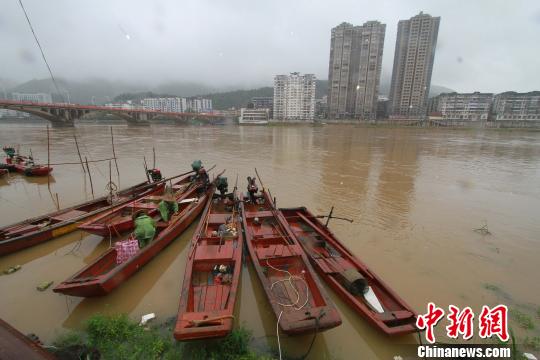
295 293
3 172
212 273
104 274
26 166
350 278
32 170
36 230
118 222
15 345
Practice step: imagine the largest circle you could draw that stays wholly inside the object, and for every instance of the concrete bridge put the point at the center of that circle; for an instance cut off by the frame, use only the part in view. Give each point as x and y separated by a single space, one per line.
62 114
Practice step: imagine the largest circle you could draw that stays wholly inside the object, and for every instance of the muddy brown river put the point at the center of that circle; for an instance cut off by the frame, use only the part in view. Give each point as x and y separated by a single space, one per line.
415 196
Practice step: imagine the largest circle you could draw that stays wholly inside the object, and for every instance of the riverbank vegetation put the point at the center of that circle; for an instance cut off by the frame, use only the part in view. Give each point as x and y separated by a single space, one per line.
118 337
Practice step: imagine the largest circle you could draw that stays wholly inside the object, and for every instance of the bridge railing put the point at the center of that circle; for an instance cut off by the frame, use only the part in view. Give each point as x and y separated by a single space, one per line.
5 102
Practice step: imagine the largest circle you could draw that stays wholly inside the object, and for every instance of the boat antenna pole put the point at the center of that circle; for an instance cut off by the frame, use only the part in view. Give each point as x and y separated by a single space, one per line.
258 177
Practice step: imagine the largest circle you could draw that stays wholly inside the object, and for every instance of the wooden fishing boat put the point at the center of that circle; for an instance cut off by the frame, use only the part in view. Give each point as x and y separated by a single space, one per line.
25 165
295 293
212 273
32 170
3 172
118 222
14 345
349 277
104 274
46 227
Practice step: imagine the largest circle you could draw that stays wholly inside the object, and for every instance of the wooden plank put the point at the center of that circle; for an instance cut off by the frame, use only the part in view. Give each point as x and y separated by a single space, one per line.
210 297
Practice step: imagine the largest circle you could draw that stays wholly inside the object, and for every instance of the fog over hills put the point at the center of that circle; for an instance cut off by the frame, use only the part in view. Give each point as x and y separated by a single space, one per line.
100 91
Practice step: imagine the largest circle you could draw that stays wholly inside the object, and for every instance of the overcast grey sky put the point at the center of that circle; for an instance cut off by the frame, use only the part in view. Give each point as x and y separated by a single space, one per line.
485 45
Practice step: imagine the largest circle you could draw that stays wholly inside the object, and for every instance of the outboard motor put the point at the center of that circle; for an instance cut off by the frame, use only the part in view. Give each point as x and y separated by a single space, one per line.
155 174
252 189
222 185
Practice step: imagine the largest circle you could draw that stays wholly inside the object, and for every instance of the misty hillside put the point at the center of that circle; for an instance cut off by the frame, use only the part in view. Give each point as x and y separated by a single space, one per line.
100 91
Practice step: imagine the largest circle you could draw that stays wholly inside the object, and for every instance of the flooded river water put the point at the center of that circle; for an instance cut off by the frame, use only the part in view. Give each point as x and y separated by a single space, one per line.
415 196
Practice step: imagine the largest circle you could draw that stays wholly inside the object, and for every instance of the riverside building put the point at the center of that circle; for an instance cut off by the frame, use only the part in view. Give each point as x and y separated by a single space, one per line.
354 70
294 97
413 65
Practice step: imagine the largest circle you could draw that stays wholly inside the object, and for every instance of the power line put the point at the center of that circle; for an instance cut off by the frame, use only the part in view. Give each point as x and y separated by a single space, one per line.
40 48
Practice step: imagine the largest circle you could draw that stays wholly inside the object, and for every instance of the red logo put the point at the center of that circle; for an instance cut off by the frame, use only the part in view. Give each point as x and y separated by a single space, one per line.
494 322
461 322
429 320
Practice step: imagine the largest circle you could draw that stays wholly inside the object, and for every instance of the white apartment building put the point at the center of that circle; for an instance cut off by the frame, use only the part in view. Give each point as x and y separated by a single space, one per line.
32 97
517 106
254 116
294 97
469 107
178 104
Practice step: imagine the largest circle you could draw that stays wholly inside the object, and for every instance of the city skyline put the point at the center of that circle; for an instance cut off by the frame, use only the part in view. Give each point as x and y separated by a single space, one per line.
489 60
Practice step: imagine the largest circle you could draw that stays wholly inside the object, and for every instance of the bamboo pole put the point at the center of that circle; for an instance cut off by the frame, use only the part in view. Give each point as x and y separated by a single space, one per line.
146 169
48 159
79 152
90 176
114 156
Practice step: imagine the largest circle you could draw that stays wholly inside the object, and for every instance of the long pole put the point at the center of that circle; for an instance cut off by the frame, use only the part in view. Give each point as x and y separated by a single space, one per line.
154 152
48 159
329 216
90 176
146 169
114 156
79 152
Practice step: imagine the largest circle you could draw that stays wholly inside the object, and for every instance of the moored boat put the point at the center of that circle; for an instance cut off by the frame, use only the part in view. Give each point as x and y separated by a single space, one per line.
39 229
24 164
295 293
3 172
105 274
15 345
118 222
212 272
349 277
32 170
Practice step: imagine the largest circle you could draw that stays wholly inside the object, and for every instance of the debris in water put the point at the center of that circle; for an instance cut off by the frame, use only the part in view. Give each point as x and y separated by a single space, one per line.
483 230
146 318
44 285
12 269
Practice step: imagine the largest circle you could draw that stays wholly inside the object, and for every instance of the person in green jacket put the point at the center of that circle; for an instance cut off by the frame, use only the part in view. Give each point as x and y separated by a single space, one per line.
145 228
167 206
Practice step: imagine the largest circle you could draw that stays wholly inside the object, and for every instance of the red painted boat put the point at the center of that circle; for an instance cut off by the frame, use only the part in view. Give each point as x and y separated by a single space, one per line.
14 345
104 275
39 229
32 170
26 166
295 293
349 277
212 273
118 222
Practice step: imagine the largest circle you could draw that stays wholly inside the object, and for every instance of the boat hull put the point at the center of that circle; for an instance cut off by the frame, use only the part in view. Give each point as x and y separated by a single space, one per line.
274 251
398 317
15 345
108 225
103 275
203 300
28 233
